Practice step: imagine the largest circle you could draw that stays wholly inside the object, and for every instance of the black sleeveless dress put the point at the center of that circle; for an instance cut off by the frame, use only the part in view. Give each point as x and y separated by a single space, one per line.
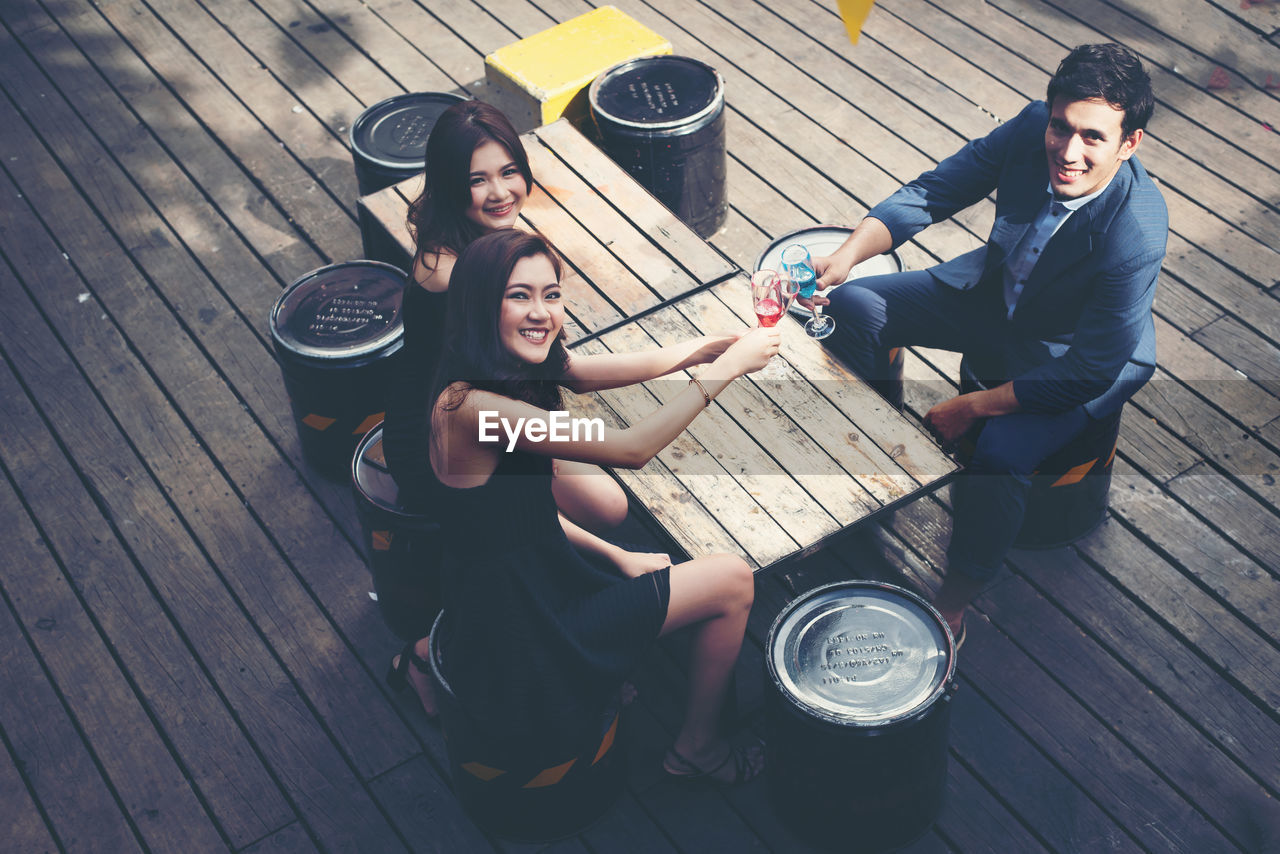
535 640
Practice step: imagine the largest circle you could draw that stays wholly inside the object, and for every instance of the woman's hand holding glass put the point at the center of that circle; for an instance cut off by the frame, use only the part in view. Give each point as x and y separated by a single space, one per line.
750 353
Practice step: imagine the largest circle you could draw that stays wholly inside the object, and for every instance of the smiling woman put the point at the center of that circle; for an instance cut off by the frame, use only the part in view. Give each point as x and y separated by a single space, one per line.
507 556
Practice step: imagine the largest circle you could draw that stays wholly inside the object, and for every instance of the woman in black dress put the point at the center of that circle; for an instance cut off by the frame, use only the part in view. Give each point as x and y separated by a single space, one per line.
476 180
535 638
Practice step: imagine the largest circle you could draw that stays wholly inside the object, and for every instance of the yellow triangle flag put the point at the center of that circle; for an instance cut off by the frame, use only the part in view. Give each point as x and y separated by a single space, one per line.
854 13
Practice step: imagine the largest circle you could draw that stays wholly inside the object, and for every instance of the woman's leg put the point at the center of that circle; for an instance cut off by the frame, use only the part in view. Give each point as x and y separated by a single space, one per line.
418 677
588 496
713 595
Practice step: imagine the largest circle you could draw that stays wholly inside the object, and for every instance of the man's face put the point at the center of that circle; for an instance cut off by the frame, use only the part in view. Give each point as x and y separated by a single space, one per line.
1085 146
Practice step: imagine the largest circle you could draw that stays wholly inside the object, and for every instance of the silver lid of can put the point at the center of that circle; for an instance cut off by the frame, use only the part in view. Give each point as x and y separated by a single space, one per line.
657 92
861 653
342 311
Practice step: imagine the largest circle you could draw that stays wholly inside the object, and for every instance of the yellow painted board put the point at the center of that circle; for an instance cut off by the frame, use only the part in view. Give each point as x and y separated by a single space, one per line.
542 77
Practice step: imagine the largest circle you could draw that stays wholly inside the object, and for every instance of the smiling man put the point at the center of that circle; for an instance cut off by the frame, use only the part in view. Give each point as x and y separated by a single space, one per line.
1057 303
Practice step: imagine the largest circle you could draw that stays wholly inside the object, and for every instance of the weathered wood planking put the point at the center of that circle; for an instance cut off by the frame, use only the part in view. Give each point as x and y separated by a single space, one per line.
187 706
55 756
1163 592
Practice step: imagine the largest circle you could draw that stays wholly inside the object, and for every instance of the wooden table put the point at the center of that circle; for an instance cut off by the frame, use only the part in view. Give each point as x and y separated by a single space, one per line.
785 460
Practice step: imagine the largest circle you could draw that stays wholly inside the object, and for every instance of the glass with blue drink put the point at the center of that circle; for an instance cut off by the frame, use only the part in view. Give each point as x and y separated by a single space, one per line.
797 265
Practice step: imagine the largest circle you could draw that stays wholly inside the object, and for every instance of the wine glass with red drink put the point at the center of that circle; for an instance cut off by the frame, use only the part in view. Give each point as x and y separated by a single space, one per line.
771 293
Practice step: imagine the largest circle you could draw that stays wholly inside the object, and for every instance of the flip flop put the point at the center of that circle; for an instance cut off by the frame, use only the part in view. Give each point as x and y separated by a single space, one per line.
744 770
964 633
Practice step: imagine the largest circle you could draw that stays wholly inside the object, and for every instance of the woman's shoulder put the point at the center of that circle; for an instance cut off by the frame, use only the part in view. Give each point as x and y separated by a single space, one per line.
432 269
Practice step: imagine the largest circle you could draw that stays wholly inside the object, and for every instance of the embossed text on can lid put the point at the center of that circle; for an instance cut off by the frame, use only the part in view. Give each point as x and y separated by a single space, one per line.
657 92
861 653
341 311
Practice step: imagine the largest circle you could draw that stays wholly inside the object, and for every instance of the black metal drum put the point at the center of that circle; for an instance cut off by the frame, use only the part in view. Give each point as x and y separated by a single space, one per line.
1069 491
512 797
822 240
336 332
661 118
389 140
401 547
857 709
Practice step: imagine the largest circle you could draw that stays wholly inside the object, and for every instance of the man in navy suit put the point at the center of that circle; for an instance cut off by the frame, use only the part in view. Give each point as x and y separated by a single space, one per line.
1058 301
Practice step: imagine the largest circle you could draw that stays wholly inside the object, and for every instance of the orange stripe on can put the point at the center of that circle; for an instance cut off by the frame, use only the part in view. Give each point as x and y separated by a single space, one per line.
368 424
608 740
1074 474
381 540
551 776
318 422
484 772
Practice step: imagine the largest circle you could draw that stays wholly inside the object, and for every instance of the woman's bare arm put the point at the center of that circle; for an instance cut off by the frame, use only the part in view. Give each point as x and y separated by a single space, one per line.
613 370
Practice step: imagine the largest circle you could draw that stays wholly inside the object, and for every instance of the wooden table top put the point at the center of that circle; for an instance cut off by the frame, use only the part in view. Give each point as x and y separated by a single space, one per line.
785 460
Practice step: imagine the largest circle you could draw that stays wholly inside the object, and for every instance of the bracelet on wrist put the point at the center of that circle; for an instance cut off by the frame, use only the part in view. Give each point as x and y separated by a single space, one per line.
706 397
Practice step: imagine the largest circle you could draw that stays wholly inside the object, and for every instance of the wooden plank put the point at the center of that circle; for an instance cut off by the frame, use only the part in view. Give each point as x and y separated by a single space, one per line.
627 829
425 810
1262 17
240 287
255 217
1088 812
131 743
1233 450
48 759
1173 149
310 177
1174 669
1196 612
23 825
1208 30
622 229
919 457
646 213
289 838
1240 115
1189 213
178 567
847 117
1160 739
215 412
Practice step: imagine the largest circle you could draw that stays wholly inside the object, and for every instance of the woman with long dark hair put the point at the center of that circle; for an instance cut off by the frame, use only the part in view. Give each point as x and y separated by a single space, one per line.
476 180
535 638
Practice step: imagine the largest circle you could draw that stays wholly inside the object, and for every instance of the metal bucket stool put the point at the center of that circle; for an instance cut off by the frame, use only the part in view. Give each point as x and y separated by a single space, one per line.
389 145
389 140
400 546
661 118
336 331
1069 491
822 240
515 799
857 715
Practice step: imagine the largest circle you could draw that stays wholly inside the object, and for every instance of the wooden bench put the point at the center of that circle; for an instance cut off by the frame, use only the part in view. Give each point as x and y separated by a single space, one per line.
786 460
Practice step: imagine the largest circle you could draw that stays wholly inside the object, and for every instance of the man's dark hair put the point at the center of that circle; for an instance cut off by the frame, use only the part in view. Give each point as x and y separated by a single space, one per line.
1107 72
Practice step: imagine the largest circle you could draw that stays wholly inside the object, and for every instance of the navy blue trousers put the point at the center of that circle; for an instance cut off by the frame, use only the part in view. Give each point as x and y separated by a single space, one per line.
989 497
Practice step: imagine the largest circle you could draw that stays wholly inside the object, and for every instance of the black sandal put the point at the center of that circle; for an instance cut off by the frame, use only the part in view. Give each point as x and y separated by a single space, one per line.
398 671
743 769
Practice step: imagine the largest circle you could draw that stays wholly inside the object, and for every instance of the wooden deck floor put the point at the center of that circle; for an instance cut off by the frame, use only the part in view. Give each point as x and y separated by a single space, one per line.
189 660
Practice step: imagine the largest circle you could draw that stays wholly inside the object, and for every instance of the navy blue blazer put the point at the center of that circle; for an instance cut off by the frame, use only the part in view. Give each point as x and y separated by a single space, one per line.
1082 331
